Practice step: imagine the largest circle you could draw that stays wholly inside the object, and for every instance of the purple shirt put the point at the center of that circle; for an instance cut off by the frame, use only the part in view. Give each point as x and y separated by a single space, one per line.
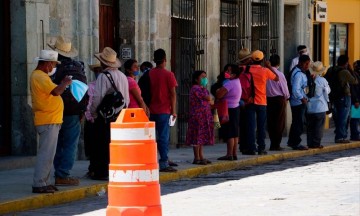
279 88
234 93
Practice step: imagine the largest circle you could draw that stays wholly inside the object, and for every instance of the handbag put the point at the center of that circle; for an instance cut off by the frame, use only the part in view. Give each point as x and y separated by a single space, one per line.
111 104
222 109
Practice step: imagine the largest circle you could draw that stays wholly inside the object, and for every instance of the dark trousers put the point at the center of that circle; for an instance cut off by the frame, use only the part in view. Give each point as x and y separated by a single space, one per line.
276 114
315 128
243 127
100 154
297 124
256 127
90 134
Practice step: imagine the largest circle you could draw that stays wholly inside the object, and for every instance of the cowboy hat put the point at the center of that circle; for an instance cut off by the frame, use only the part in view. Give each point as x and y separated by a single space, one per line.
244 54
63 47
48 55
317 68
108 58
93 66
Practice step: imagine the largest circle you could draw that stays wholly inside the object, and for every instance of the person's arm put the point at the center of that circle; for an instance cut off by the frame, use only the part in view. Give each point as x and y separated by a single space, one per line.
139 100
221 92
59 89
297 90
348 77
268 65
173 101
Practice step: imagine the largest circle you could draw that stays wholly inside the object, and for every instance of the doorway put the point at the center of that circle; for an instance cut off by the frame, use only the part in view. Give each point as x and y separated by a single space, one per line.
290 36
5 110
108 24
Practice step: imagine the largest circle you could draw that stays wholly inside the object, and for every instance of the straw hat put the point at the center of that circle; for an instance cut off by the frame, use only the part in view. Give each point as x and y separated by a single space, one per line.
317 68
63 47
48 55
93 66
108 58
244 54
257 55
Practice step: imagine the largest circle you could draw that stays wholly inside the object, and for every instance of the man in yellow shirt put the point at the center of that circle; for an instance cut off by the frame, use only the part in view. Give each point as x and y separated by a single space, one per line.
48 108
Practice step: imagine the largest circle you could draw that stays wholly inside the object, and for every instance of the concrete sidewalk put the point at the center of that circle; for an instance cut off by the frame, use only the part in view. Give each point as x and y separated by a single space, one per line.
15 184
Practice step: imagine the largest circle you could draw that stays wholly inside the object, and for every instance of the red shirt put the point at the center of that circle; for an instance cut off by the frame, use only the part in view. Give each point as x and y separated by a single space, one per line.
161 81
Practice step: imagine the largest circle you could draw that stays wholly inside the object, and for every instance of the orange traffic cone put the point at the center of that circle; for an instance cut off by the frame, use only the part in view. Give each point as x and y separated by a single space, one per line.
133 188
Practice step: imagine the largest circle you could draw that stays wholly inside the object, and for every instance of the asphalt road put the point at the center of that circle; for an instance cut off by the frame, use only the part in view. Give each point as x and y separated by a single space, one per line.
326 184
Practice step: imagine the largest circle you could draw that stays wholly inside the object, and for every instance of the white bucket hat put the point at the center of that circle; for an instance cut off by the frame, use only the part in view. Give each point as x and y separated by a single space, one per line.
63 47
317 68
108 58
48 55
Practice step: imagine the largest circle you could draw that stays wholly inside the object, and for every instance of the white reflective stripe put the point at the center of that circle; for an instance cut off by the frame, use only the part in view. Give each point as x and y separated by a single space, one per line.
124 176
133 133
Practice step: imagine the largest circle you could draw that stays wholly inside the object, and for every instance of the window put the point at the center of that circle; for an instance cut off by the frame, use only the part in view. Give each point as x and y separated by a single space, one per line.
338 42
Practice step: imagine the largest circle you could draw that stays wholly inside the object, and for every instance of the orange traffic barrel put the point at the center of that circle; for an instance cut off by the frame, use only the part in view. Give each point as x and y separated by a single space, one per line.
134 188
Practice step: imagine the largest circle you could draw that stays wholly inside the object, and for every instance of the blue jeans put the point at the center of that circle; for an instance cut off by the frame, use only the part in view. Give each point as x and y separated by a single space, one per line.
66 149
342 107
297 124
354 129
256 118
162 137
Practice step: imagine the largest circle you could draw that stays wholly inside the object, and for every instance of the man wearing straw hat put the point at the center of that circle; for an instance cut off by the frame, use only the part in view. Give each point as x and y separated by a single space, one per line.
73 111
48 108
317 106
110 63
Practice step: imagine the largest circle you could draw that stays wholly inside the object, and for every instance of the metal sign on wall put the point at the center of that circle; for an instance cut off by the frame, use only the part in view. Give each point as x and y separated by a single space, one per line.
321 11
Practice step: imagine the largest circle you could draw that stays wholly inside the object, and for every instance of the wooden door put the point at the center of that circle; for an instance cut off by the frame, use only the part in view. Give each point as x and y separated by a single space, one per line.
5 110
107 24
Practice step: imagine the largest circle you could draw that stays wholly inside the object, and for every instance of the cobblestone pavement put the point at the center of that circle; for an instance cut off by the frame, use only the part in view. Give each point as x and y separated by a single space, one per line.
326 184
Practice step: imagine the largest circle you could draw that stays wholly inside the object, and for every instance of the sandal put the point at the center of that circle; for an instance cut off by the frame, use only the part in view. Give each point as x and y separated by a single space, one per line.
229 158
207 161
199 162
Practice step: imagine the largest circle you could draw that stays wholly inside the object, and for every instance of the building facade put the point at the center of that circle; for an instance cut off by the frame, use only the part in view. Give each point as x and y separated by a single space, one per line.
196 34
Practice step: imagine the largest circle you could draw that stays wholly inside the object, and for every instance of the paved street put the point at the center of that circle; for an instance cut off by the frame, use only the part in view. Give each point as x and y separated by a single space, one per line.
326 184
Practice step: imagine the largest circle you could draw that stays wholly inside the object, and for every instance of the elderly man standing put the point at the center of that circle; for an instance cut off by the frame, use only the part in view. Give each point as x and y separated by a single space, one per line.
110 63
73 111
48 108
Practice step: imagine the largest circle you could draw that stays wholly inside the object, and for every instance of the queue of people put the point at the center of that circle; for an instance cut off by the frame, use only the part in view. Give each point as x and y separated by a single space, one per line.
252 96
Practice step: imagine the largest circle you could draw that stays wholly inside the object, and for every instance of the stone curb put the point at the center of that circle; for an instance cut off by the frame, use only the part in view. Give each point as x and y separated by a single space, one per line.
43 200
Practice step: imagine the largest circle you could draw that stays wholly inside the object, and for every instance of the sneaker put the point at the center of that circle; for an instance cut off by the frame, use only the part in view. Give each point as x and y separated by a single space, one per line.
299 147
276 149
67 181
168 169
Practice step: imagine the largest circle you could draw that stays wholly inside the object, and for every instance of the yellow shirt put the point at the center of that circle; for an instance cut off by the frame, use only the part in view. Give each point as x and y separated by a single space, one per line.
48 109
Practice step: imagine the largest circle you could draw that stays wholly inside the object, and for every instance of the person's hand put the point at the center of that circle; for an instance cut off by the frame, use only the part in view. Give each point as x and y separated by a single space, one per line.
304 100
67 80
267 64
174 116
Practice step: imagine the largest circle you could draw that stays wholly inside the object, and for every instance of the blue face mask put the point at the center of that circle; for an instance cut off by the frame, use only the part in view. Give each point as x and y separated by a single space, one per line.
136 73
204 81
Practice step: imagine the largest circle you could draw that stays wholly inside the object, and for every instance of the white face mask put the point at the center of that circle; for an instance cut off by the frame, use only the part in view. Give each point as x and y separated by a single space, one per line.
53 71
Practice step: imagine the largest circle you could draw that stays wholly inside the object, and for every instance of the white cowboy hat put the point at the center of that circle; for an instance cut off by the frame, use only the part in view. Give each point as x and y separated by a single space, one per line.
63 47
317 68
108 58
48 55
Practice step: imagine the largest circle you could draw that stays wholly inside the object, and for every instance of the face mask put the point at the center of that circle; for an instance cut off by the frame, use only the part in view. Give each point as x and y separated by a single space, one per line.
136 73
53 71
204 82
227 76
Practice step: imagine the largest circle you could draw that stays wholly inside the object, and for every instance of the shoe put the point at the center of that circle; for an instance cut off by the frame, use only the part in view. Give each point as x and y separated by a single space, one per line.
262 152
299 147
355 139
207 161
199 162
68 181
342 141
99 177
172 163
315 147
229 158
168 169
234 157
44 189
276 149
249 153
53 187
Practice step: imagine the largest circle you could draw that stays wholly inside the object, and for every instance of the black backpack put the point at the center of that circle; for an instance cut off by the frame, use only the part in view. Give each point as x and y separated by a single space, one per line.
332 76
75 69
145 86
111 102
